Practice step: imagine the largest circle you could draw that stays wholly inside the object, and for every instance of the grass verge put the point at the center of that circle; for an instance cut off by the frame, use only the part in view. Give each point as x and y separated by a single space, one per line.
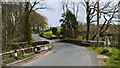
112 53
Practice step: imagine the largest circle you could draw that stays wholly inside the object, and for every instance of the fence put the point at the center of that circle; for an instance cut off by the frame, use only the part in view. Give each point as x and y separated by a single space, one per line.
20 45
8 57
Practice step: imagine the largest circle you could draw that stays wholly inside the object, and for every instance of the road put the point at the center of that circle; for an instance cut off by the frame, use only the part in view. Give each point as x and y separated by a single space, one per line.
64 54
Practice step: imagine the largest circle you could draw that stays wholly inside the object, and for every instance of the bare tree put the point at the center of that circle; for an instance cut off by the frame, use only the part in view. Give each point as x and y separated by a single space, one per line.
71 5
90 10
27 26
13 21
111 13
104 12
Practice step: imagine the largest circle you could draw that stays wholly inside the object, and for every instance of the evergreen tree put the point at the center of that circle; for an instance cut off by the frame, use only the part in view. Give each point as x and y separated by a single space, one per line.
69 25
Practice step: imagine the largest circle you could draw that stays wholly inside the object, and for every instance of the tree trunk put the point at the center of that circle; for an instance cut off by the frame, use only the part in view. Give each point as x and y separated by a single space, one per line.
33 28
27 26
73 32
119 28
88 21
98 23
38 28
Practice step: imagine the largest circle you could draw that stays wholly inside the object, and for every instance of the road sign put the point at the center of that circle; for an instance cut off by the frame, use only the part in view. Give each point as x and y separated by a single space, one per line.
107 42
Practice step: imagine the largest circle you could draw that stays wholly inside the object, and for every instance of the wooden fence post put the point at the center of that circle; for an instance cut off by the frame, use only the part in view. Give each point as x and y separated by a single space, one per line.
22 51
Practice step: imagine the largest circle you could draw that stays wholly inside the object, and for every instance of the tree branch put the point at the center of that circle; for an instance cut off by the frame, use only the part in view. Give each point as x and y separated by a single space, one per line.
33 6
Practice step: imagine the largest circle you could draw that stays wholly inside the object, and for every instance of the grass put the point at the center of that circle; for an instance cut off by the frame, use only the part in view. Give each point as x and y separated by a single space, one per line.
48 34
59 30
113 59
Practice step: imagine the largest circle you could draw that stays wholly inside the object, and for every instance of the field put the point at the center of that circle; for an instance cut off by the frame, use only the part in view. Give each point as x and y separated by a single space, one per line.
48 34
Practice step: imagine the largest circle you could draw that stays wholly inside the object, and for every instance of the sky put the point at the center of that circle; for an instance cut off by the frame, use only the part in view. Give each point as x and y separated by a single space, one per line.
54 12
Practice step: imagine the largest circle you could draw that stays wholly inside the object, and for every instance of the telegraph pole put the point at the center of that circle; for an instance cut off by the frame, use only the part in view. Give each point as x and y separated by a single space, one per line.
98 23
0 33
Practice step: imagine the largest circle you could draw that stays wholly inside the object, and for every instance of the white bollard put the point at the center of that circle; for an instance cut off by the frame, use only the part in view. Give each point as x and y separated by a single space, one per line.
35 50
16 55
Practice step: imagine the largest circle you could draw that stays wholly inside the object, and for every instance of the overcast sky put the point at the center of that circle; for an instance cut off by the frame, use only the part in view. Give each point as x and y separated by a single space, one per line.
53 14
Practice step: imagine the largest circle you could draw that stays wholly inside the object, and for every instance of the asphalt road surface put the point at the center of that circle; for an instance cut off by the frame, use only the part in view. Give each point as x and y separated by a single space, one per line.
64 54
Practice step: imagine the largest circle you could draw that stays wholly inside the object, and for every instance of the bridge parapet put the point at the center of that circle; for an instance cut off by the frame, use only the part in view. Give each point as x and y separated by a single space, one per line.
37 47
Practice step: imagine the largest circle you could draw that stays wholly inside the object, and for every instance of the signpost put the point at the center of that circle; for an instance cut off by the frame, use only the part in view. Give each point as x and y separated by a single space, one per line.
107 42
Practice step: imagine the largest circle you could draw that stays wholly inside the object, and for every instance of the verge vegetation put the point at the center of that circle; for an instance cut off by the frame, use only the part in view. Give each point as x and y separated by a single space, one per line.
112 53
